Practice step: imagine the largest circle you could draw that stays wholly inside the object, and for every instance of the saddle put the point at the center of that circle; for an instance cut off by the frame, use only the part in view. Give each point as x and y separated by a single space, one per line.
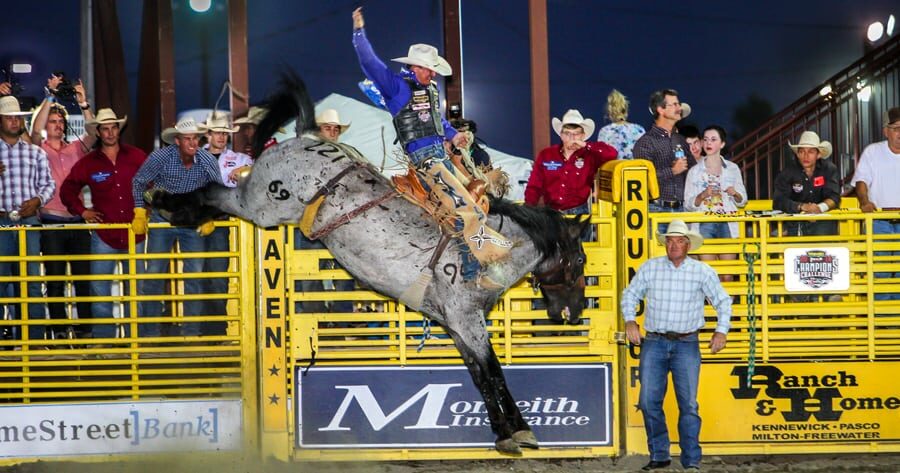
410 186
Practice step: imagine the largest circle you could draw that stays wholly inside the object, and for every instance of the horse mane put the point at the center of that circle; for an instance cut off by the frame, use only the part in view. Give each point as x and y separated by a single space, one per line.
542 224
290 100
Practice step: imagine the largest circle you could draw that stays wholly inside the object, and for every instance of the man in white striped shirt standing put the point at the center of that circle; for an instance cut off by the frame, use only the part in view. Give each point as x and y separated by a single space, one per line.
25 186
675 287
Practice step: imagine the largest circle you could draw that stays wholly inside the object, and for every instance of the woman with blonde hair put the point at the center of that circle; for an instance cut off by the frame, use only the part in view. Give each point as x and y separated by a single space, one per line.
620 134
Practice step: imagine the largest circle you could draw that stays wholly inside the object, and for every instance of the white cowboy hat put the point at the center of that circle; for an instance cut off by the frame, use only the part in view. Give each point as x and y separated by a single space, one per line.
426 55
185 126
253 117
218 121
573 117
104 116
330 116
809 139
679 228
685 110
9 105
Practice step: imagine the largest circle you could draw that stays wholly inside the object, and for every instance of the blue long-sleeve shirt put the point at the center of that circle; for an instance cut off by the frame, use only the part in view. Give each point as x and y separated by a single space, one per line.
393 87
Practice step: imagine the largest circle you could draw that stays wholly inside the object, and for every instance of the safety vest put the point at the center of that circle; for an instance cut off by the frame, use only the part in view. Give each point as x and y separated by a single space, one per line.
420 117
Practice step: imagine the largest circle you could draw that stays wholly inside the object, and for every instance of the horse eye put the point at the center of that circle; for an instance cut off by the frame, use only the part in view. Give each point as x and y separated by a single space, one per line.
580 260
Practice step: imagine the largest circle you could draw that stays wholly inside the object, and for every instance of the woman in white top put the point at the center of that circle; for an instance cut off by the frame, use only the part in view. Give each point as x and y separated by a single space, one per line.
715 186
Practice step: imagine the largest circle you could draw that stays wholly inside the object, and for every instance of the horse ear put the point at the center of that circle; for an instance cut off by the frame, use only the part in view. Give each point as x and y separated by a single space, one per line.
577 227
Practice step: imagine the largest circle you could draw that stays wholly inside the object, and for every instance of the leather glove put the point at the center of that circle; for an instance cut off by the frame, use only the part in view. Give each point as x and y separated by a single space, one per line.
206 228
140 222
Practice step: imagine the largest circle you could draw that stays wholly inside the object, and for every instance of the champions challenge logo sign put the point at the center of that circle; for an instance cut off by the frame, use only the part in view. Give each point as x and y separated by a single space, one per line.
440 407
817 269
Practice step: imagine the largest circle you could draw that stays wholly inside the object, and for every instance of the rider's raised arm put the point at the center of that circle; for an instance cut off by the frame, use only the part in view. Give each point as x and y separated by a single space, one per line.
388 82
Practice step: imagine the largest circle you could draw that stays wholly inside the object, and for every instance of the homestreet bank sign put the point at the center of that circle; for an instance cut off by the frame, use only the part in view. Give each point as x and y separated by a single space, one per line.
438 406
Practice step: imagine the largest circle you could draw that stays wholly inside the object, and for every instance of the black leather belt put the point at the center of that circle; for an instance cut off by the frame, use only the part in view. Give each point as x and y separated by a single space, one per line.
673 335
669 204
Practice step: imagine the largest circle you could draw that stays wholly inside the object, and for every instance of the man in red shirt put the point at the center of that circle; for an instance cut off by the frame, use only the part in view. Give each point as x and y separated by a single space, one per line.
563 175
108 172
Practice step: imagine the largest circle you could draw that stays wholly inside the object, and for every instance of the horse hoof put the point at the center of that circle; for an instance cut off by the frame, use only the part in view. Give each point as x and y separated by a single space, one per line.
526 439
508 447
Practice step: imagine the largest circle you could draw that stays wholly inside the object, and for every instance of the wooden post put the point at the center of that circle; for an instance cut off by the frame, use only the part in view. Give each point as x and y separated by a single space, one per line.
540 81
238 74
453 84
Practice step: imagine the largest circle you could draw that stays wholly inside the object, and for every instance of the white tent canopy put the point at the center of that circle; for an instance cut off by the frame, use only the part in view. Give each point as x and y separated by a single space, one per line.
372 133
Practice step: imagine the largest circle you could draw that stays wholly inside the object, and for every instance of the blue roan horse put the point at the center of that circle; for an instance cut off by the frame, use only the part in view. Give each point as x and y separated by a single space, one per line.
389 243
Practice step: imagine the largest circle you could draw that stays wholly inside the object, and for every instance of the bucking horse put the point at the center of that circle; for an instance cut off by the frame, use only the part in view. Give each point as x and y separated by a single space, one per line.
386 241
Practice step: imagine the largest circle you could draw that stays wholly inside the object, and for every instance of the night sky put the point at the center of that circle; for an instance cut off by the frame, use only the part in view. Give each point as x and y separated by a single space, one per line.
715 54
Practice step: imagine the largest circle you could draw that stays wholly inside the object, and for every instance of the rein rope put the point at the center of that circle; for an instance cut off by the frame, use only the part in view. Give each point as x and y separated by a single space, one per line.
751 258
314 202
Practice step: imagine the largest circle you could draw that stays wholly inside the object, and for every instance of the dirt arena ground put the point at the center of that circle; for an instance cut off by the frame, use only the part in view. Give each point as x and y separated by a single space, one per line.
860 463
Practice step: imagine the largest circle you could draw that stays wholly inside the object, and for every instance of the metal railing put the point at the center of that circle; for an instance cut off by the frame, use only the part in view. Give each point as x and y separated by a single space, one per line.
848 114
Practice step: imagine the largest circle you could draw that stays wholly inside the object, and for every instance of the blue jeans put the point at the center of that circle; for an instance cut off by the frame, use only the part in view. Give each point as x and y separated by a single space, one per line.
9 246
162 240
886 227
715 230
659 357
217 241
435 155
103 288
654 208
583 209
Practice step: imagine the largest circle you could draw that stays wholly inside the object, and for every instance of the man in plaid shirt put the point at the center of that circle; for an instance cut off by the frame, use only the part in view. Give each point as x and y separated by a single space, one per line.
668 150
25 185
178 168
675 287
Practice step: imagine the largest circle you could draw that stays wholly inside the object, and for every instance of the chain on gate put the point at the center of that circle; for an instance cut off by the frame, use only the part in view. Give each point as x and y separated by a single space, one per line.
751 259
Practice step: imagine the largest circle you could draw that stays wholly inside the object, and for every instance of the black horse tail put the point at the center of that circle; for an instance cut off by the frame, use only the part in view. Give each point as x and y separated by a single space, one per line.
290 100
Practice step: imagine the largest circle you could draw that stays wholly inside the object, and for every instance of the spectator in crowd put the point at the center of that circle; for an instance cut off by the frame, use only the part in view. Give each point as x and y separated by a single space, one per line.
232 165
668 151
675 287
877 174
620 133
178 168
694 140
107 171
26 186
248 124
715 186
563 174
480 157
412 98
52 118
5 88
808 185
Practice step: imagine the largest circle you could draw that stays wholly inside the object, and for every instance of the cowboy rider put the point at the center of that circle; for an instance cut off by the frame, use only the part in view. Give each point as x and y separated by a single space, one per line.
412 98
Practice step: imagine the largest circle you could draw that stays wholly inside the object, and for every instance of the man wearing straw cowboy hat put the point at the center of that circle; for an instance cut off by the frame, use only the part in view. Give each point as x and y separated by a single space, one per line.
412 98
248 124
330 126
675 287
27 185
178 168
232 165
808 185
108 172
563 175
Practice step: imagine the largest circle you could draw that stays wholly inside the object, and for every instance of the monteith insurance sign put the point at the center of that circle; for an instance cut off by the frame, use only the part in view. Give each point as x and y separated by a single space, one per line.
438 406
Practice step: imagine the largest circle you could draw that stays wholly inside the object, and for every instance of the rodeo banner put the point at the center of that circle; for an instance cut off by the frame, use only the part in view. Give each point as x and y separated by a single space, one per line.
438 406
799 403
